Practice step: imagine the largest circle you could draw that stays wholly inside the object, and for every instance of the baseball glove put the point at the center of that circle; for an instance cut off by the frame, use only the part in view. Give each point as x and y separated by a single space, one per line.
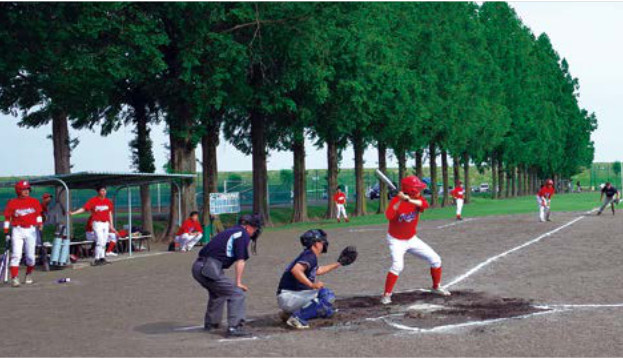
348 256
617 201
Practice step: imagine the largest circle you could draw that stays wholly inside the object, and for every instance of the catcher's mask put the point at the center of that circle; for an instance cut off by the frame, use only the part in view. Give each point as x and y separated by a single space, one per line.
255 221
310 237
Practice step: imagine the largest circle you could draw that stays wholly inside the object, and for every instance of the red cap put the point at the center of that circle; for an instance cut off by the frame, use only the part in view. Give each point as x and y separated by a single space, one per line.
549 182
412 185
22 185
46 195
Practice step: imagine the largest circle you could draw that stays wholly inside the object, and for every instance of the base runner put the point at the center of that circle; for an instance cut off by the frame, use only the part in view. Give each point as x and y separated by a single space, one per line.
403 214
300 295
544 199
458 193
340 203
23 216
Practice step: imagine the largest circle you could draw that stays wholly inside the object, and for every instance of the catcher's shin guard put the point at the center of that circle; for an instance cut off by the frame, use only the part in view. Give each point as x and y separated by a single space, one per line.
316 308
326 295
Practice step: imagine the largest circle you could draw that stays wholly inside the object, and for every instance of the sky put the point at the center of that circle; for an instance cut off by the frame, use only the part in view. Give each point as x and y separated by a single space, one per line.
585 33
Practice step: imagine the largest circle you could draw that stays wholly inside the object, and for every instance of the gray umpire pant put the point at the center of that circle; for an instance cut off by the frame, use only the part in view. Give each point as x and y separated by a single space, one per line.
221 290
607 200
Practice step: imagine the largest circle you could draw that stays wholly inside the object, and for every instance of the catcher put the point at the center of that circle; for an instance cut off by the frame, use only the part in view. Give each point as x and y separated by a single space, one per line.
300 295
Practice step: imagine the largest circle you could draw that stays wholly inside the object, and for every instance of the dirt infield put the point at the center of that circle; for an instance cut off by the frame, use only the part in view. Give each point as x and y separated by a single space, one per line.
560 295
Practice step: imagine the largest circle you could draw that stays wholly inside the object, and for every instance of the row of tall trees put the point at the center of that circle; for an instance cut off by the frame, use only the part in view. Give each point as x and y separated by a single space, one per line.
466 83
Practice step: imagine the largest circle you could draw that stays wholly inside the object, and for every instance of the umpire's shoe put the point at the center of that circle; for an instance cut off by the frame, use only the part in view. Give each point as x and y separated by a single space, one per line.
237 332
210 327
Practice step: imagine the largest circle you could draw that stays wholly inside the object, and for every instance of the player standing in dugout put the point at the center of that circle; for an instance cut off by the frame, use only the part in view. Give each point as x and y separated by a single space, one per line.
612 197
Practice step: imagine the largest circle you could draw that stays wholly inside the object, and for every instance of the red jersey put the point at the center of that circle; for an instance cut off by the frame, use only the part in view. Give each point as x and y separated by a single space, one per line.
339 198
189 226
546 192
458 193
99 208
403 222
23 212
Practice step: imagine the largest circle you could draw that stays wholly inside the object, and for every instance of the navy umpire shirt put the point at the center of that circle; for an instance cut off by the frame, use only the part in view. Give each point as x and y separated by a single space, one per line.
228 246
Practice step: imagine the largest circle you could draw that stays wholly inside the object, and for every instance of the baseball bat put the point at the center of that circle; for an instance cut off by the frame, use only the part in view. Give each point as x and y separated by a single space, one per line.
385 179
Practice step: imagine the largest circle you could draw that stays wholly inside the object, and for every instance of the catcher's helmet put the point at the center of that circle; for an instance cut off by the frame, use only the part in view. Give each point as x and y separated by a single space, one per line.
315 235
412 185
549 182
22 185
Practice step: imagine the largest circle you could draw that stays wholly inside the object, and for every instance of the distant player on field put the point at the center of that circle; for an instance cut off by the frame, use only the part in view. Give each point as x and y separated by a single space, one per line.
612 196
544 199
340 203
458 194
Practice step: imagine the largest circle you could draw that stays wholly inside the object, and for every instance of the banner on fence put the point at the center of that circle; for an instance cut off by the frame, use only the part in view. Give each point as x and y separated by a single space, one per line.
224 203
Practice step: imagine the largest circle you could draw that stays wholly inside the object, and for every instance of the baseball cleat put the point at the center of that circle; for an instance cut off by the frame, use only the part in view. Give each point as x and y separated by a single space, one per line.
440 291
15 282
296 323
210 326
29 280
113 254
386 299
346 220
598 213
237 331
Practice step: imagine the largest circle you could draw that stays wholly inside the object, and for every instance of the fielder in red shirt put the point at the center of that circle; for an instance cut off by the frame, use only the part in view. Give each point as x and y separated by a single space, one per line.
340 203
101 209
403 214
544 199
23 215
458 193
189 234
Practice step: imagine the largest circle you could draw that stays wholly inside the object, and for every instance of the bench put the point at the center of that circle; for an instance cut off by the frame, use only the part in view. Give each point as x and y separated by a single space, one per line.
122 243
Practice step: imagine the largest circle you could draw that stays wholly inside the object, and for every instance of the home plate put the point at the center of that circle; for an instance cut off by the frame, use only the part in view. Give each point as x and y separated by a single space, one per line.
425 307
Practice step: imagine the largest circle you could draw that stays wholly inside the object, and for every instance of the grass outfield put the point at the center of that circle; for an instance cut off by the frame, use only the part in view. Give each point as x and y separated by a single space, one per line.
478 207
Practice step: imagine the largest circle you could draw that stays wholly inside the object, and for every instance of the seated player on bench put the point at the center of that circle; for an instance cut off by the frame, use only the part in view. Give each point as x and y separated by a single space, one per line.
300 295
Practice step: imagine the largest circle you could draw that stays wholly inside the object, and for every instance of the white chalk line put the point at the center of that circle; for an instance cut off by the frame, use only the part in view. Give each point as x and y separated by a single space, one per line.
455 223
496 257
151 254
187 328
229 340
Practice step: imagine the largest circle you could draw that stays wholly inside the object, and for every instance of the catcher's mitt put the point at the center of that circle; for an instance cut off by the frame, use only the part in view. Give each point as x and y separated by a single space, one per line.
348 256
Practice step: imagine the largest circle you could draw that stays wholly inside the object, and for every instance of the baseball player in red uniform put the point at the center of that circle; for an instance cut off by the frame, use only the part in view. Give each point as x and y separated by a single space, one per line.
23 215
340 203
101 209
458 193
544 199
403 214
189 233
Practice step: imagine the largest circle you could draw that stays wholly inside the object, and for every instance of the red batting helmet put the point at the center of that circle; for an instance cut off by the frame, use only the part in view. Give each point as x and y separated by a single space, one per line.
549 182
412 185
22 185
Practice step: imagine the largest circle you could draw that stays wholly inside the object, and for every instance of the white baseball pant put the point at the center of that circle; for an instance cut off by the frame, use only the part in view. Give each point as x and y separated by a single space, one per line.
23 238
459 206
292 301
101 230
544 210
90 236
341 210
188 241
414 246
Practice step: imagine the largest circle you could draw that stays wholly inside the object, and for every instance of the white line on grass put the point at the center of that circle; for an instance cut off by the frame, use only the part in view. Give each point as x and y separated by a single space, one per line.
498 256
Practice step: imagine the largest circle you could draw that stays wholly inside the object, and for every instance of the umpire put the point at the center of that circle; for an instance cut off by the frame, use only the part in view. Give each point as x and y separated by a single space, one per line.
228 248
612 197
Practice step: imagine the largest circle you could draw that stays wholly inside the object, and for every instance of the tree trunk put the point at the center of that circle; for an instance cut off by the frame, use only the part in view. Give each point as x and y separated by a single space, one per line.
360 205
530 184
514 179
433 174
183 161
209 144
444 176
300 179
503 185
456 168
519 181
419 172
62 152
466 183
494 178
260 171
401 155
332 169
509 183
143 158
382 151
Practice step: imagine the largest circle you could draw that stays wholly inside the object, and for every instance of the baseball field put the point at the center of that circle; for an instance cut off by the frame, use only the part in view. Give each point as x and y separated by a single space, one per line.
520 288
